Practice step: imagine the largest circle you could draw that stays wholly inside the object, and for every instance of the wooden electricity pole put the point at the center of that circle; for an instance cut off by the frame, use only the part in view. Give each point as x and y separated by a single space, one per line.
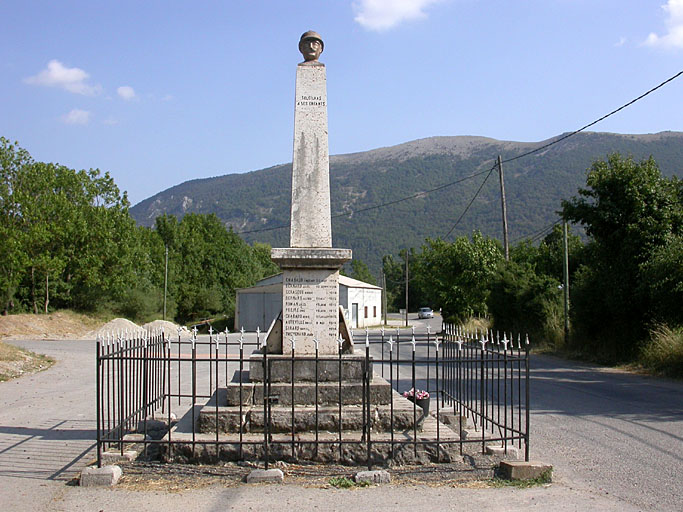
406 287
566 284
505 214
165 280
384 297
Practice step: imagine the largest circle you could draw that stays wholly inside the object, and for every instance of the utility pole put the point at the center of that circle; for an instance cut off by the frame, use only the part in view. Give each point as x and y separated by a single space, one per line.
165 280
566 284
384 297
406 287
505 214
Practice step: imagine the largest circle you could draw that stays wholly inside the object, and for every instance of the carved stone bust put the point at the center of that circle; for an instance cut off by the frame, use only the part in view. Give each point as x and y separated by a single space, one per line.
311 46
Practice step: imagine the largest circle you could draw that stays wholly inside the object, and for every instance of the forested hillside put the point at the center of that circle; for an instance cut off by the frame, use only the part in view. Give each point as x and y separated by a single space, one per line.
254 203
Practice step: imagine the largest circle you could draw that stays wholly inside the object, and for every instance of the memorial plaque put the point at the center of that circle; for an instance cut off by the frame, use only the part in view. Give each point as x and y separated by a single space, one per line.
310 302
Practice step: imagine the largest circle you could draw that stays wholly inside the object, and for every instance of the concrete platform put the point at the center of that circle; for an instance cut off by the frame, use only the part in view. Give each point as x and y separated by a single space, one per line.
251 418
410 445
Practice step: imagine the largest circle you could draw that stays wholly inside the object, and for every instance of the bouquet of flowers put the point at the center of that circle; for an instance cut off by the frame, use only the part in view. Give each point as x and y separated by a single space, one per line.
416 394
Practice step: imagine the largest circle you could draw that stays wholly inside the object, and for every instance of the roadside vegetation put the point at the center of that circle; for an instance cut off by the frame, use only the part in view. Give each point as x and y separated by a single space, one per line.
626 278
69 242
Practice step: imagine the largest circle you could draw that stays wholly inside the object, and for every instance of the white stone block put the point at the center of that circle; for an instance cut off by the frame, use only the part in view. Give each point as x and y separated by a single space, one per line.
93 476
270 476
375 477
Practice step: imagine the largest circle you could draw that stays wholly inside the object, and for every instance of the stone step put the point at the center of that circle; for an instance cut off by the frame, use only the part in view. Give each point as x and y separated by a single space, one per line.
280 368
250 419
305 393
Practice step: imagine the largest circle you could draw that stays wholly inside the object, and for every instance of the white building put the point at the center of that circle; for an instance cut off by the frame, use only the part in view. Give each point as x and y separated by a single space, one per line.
260 304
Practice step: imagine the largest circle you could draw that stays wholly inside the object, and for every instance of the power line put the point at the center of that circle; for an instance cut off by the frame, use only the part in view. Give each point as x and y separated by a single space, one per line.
470 203
537 234
545 146
512 159
381 205
571 134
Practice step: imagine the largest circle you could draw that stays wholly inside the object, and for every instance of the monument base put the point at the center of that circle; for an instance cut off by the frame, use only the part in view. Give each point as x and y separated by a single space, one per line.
310 298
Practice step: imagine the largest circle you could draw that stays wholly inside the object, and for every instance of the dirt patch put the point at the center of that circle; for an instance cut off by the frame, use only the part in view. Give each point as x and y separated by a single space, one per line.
150 476
62 325
15 362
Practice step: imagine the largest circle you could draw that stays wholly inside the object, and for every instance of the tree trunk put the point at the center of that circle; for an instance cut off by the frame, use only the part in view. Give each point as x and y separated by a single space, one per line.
47 290
33 290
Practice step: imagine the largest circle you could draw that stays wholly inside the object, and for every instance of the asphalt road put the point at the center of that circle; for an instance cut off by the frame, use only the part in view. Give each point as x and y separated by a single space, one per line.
606 432
614 440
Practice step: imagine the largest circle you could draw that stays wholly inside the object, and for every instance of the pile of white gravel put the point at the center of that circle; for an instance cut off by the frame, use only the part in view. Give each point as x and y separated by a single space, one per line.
122 325
115 326
169 328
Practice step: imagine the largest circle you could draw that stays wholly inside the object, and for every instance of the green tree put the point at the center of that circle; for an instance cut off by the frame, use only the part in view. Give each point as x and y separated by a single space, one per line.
13 258
395 275
361 272
629 211
522 301
210 263
456 275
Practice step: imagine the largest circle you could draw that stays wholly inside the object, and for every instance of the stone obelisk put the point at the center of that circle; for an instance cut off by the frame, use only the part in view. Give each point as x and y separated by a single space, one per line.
310 266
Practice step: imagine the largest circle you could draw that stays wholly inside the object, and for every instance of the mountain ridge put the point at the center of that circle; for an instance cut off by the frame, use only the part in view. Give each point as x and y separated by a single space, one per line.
256 203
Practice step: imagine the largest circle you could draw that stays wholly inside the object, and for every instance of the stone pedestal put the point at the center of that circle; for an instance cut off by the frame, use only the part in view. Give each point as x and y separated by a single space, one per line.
310 298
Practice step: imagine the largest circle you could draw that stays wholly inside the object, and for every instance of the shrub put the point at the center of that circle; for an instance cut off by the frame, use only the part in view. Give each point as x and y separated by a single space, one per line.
523 302
663 353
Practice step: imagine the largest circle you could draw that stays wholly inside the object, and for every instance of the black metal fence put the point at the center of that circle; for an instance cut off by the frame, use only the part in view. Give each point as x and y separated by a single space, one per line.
478 387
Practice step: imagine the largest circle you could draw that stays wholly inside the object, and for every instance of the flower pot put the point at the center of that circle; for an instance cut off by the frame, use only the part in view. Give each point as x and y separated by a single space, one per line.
422 403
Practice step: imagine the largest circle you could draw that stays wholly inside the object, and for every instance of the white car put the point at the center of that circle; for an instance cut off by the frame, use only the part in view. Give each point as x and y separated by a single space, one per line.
425 313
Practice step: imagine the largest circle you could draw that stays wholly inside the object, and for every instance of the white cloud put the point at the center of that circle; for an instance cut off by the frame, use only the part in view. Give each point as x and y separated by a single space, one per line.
77 116
110 121
621 42
126 92
674 24
384 14
71 79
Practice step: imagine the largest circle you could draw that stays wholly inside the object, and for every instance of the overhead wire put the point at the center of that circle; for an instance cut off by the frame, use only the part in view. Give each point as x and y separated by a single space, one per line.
381 205
536 235
511 159
470 203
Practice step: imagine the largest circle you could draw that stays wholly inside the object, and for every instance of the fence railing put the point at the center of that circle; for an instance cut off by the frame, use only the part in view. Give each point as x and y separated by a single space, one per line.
478 387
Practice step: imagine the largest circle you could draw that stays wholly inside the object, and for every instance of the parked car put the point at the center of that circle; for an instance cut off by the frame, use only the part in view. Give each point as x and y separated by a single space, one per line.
425 313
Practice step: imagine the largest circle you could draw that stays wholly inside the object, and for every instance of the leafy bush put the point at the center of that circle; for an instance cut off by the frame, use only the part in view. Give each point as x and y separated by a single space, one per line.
522 301
662 281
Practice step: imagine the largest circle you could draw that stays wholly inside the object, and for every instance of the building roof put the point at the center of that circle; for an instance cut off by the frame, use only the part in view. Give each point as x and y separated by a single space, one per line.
268 284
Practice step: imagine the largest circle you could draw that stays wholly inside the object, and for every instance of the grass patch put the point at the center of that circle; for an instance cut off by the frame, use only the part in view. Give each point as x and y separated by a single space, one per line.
663 353
477 324
343 482
543 479
15 362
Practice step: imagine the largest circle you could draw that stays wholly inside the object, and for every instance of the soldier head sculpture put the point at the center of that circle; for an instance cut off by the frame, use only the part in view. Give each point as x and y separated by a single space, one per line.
311 46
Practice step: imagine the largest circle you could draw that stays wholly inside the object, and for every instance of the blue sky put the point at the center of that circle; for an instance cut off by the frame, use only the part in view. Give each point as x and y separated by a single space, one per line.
160 92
